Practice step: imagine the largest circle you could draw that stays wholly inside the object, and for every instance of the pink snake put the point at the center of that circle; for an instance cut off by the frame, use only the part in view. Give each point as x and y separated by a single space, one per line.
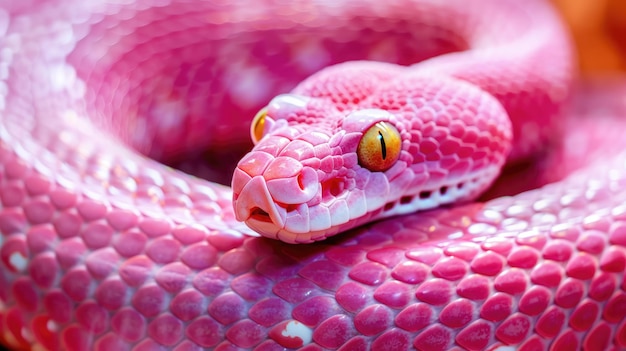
104 248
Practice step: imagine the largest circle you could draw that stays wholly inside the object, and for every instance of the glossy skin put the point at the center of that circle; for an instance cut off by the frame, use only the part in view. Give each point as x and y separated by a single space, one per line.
105 249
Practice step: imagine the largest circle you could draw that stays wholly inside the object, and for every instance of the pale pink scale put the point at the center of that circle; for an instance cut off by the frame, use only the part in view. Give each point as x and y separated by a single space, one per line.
101 263
189 234
581 266
129 324
315 310
67 224
334 331
58 306
227 308
163 250
75 337
97 235
584 315
535 300
370 273
415 317
112 294
514 329
26 294
199 256
236 261
149 300
476 336
245 334
12 195
121 219
393 338
166 329
92 317
155 227
111 341
613 260
269 312
435 292
602 286
294 290
488 263
615 309
474 287
435 338
598 338
450 268
410 272
324 274
373 320
497 307
44 270
251 286
550 322
77 283
393 294
136 270
548 274
91 210
457 314
569 293
204 331
130 243
172 277
355 343
566 341
38 211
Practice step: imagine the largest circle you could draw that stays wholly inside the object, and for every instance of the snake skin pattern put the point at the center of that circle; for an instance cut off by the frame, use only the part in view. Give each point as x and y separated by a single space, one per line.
104 248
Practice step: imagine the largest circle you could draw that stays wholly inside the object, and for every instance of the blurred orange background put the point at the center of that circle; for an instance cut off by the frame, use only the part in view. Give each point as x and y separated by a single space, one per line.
599 29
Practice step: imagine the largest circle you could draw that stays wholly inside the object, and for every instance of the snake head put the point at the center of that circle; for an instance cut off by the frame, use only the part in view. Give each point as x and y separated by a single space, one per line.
319 168
302 181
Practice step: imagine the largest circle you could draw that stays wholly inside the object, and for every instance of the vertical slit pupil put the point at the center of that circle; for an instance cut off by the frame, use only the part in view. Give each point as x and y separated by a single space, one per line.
382 144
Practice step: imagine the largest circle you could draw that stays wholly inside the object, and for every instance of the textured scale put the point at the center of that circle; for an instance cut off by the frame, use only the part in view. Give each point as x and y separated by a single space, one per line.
104 248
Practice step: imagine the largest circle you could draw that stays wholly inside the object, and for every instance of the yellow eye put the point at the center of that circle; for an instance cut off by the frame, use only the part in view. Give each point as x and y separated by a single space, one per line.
379 147
258 125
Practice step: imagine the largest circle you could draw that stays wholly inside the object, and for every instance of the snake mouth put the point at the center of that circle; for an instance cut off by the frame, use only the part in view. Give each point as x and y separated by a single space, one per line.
260 215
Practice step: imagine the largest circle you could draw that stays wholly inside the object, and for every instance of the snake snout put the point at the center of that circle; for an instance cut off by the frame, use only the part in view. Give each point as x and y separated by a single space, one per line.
255 205
278 203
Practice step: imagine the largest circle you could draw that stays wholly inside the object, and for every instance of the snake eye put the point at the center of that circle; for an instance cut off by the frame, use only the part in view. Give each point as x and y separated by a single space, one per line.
258 125
379 147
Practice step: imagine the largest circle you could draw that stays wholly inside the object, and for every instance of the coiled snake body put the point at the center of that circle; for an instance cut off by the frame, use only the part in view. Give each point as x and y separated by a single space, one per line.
104 248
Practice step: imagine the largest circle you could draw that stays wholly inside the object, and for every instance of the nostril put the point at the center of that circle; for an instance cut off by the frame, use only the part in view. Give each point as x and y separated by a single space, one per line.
301 182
